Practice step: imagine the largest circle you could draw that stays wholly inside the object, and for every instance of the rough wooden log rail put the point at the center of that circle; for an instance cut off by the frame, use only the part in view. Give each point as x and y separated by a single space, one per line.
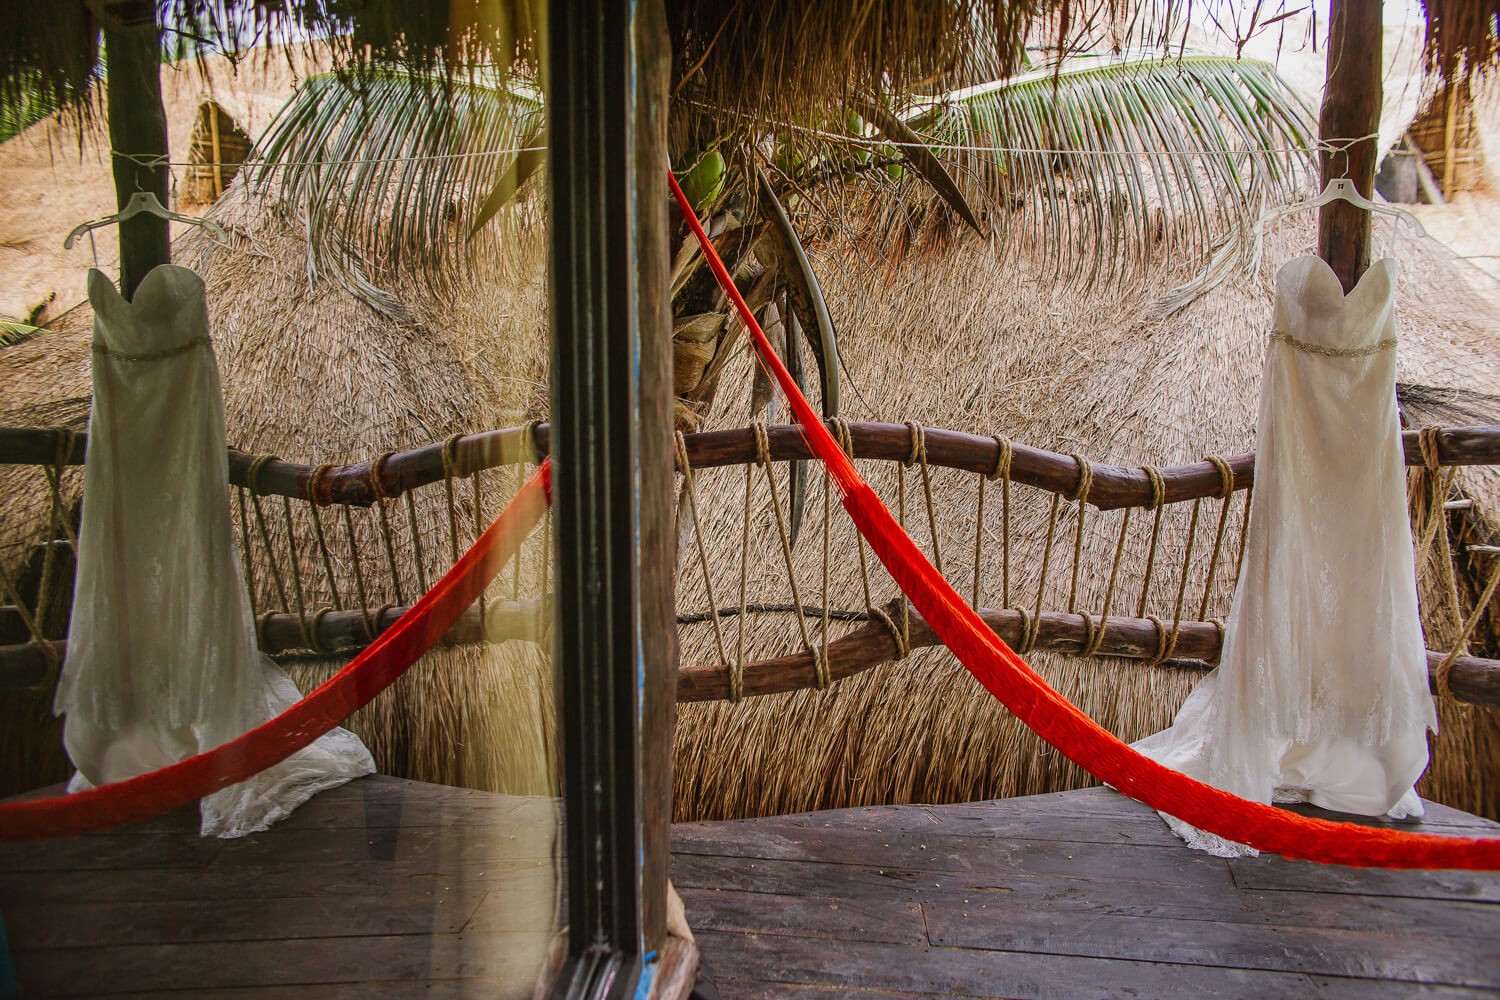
331 634
1472 679
1113 486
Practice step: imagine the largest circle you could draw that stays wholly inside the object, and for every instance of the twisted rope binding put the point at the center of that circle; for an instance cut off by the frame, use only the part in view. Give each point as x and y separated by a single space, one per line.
1003 457
316 640
377 471
1030 626
261 624
1429 443
528 442
918 451
319 494
901 639
1166 641
1092 635
1085 478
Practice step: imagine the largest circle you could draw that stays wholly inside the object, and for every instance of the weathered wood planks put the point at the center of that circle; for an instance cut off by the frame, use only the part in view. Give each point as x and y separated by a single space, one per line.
1074 894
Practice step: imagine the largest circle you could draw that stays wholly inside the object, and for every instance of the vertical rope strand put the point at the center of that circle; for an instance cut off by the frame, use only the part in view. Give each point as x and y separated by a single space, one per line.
296 567
737 674
1226 493
416 541
1033 624
253 479
377 483
245 554
478 494
820 659
736 680
359 574
314 484
1239 559
1081 495
1097 634
1158 500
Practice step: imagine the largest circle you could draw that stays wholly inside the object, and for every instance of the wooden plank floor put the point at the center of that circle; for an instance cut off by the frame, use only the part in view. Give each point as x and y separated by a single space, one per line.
380 889
1071 895
388 888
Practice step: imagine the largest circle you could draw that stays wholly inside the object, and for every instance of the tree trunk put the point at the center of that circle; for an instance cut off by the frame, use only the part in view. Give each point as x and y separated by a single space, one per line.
137 134
1351 111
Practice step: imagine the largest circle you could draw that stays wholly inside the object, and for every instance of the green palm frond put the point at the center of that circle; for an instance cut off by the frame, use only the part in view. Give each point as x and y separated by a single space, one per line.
391 172
1106 162
15 333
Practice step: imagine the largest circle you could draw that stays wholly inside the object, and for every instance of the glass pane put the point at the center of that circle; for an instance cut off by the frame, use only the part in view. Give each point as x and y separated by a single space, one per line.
376 317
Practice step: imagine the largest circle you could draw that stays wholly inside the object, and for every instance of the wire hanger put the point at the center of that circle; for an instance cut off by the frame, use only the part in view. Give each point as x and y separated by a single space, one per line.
1343 189
145 201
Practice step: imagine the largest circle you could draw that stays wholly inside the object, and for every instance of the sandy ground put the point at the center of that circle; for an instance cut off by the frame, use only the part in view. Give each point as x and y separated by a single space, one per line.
52 180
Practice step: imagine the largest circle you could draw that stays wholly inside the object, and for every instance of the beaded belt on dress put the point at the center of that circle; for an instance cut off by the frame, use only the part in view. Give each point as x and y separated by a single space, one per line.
1334 352
169 352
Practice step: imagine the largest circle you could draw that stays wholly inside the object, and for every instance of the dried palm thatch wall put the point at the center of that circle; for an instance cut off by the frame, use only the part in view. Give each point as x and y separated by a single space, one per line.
960 342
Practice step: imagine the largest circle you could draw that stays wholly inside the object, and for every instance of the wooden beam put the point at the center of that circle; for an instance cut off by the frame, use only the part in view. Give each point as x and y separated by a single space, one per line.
1472 680
1114 486
1350 118
612 481
137 134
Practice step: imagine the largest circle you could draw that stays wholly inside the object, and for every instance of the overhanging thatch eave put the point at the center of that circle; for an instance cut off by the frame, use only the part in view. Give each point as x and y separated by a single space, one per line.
772 59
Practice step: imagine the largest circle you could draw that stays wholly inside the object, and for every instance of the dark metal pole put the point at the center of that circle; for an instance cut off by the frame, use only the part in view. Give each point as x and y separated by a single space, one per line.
612 395
1351 111
137 133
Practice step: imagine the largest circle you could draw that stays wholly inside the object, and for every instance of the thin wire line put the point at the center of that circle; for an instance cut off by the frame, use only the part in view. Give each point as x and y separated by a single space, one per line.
150 162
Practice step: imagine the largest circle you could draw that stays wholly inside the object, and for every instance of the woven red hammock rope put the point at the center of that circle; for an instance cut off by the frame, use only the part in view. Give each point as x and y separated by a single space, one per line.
364 677
1049 714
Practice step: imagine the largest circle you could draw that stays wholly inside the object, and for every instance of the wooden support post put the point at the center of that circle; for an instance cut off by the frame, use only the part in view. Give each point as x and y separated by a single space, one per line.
612 483
137 129
1351 111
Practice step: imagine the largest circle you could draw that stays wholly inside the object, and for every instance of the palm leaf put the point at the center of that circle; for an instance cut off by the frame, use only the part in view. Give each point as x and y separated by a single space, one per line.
393 172
1105 164
805 297
16 333
923 160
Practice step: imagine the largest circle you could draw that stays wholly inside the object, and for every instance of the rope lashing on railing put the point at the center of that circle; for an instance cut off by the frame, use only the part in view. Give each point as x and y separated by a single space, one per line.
1050 715
371 672
1461 645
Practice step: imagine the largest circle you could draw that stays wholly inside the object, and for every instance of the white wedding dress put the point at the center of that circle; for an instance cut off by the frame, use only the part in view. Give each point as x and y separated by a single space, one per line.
1321 692
162 660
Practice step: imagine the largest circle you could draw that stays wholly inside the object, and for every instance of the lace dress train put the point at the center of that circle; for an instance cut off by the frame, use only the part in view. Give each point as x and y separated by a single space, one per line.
162 657
1321 693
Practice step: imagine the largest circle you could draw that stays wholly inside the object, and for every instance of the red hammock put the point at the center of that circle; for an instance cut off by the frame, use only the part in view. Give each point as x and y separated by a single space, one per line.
368 674
1049 714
